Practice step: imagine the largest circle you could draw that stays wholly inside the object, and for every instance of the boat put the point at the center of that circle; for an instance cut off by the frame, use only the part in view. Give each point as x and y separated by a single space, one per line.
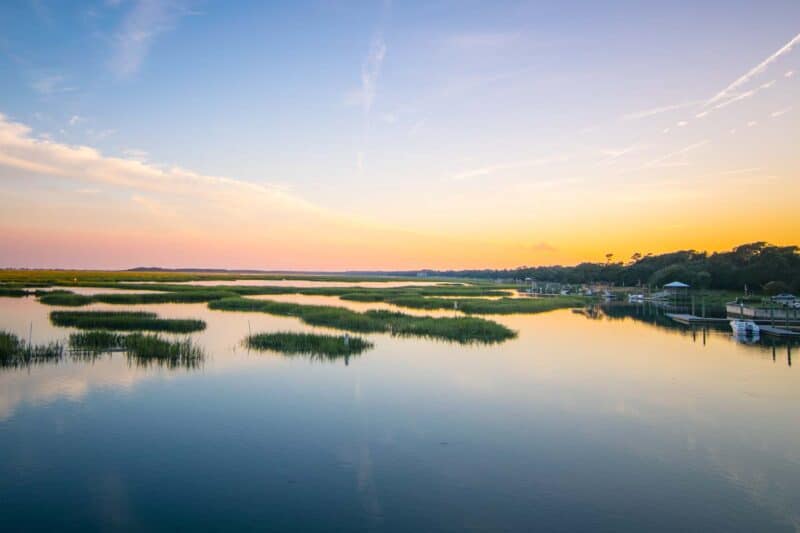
745 328
636 298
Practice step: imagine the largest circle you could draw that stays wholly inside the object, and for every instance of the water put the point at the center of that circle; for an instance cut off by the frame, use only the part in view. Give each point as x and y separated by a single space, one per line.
578 424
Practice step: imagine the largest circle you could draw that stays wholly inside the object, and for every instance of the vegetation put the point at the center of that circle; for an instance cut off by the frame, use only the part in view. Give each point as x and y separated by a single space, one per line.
124 321
96 341
29 277
324 346
194 296
754 264
148 349
64 298
462 330
13 292
487 307
15 353
143 349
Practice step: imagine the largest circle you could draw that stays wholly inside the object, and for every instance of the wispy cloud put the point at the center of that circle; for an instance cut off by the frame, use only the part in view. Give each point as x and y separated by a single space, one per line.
611 155
480 40
370 72
20 150
513 165
659 110
544 247
136 154
145 21
776 114
75 120
676 158
729 91
47 84
389 118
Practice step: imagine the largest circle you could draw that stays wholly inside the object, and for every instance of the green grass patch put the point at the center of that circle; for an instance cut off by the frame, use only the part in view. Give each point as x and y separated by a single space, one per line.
64 298
124 321
15 353
461 329
13 292
145 350
67 298
321 346
501 306
72 276
96 341
195 296
142 349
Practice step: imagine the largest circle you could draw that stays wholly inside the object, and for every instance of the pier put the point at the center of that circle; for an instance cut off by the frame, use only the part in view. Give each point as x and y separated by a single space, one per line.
691 320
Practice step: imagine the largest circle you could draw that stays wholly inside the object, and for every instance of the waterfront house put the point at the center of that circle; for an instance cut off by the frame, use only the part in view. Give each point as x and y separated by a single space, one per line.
786 299
676 288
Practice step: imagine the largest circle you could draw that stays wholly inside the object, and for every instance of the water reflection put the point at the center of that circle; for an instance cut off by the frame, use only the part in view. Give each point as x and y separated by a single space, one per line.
611 423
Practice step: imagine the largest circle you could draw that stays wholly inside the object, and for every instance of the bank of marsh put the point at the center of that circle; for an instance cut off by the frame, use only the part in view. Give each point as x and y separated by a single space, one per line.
324 346
124 321
143 349
458 329
14 352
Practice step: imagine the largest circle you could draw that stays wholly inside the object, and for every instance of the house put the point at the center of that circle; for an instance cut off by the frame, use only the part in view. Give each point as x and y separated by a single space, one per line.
676 287
676 291
785 299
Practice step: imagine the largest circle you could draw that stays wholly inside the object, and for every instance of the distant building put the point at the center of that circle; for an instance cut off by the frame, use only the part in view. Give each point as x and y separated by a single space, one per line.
676 286
785 299
676 290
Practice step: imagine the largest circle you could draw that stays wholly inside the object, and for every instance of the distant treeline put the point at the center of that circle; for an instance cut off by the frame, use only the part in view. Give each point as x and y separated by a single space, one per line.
758 265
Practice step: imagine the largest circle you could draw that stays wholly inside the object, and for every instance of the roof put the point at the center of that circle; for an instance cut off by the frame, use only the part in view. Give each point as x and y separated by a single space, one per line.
676 285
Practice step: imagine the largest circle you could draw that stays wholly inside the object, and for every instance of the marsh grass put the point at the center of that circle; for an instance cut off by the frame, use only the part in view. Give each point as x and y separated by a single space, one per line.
195 296
141 349
96 341
460 329
146 350
13 292
502 306
113 276
15 353
124 321
328 347
64 298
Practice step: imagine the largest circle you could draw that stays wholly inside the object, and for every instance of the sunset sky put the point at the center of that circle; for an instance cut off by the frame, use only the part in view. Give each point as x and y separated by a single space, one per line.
333 135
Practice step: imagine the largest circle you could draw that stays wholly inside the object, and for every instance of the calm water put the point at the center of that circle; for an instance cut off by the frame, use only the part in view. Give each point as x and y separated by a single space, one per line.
578 424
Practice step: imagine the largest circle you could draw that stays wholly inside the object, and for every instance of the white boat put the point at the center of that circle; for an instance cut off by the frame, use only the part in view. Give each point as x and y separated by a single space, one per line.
745 328
636 298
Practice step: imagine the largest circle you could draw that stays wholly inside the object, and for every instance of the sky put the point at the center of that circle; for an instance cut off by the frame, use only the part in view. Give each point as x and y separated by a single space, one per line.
347 135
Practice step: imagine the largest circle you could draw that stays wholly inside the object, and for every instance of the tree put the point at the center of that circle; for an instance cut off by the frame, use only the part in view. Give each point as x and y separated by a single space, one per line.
776 287
702 280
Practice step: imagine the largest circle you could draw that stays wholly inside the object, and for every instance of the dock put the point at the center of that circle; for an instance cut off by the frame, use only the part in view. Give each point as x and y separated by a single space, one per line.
778 332
691 320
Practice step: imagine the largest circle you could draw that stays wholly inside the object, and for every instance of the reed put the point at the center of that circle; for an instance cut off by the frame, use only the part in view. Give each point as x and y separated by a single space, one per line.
142 349
483 306
15 353
326 346
13 292
96 341
146 350
124 321
64 298
462 329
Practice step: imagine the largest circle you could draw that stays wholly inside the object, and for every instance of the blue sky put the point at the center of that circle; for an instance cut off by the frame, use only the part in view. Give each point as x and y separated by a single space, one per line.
416 116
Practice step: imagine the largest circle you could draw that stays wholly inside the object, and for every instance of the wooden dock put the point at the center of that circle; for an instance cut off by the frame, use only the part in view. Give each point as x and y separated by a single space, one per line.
778 332
692 320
